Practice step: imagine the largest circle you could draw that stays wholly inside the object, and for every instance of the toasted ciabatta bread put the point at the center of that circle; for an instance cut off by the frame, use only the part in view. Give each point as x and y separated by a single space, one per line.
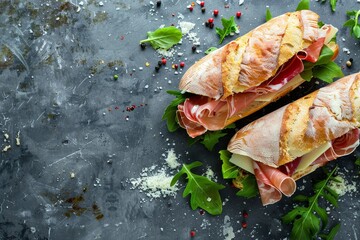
253 58
302 126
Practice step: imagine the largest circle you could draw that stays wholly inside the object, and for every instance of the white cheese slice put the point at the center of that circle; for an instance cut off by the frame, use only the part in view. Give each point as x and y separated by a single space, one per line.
297 80
243 162
310 157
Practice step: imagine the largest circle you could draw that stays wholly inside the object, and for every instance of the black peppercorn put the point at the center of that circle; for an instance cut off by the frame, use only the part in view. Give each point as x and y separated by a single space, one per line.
158 3
159 63
193 48
203 9
143 45
157 68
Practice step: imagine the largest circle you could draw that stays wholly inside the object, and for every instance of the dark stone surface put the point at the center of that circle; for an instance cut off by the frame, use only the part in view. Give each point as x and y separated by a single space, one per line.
57 64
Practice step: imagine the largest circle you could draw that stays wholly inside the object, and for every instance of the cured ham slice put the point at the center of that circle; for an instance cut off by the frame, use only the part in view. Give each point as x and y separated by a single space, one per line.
341 146
272 183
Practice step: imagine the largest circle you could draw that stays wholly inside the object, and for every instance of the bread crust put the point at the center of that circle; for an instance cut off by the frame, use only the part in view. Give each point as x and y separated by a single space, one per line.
303 125
252 58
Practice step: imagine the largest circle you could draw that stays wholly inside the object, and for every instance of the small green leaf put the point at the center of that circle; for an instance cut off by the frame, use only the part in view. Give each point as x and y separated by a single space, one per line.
305 227
325 56
293 214
212 138
228 169
268 15
170 111
320 24
229 26
349 23
356 31
164 38
300 198
322 214
331 235
333 5
211 49
204 193
307 75
331 199
247 184
327 72
351 13
357 161
303 5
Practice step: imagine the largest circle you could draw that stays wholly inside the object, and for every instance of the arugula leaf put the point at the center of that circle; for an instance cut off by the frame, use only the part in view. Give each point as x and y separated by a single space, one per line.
229 27
228 169
320 24
163 37
211 49
353 23
331 235
309 220
327 72
204 192
212 138
303 5
170 111
268 15
324 69
247 184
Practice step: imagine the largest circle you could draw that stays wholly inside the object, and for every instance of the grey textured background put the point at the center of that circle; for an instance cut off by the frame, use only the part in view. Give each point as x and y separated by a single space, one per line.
57 89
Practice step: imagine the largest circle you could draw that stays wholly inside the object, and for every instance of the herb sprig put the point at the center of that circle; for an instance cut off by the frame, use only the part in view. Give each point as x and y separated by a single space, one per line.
308 221
324 69
303 5
204 193
229 27
353 23
268 14
163 38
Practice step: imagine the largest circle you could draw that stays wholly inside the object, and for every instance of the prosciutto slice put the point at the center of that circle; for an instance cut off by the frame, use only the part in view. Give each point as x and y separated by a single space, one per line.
272 183
341 146
199 113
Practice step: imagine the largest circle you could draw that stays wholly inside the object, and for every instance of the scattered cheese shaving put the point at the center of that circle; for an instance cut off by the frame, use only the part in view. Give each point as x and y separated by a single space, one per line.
228 230
342 186
171 159
154 184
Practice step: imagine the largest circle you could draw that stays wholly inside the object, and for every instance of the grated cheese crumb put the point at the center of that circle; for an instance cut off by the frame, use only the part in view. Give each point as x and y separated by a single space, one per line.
154 184
228 231
342 186
171 159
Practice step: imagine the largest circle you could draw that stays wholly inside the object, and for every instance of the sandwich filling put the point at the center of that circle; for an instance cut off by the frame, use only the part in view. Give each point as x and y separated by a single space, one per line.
273 182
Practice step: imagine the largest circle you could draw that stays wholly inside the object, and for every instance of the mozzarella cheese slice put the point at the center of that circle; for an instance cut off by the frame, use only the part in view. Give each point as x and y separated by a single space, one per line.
243 162
310 157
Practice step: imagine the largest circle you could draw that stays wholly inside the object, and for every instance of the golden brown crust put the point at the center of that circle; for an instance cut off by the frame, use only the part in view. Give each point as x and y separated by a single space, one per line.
253 58
303 125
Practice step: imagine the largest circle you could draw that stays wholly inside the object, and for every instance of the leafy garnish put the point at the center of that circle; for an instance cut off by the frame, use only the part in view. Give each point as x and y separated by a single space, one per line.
247 184
353 23
320 24
228 169
324 69
357 161
303 5
229 27
268 15
204 192
170 112
333 5
331 235
211 49
163 38
309 220
210 138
